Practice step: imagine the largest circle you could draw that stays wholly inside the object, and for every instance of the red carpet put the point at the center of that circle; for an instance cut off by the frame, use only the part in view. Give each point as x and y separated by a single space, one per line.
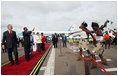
24 67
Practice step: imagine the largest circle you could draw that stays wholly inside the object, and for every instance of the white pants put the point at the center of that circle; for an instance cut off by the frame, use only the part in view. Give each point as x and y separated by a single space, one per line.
34 47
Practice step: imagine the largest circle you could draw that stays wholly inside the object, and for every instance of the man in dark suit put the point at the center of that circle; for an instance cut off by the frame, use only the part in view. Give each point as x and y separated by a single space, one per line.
55 40
10 38
26 36
64 40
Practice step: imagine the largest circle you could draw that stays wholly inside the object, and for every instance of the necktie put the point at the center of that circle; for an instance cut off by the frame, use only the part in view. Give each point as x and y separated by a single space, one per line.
10 33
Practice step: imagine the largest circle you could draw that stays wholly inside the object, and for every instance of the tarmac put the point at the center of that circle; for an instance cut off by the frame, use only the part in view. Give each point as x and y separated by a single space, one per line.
61 62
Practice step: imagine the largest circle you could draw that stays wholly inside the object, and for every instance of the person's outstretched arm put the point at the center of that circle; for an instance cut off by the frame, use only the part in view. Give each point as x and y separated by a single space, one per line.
105 24
85 29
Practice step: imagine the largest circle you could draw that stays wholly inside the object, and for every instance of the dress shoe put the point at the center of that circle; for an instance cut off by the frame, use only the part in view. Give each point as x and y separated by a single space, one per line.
12 63
31 56
27 60
17 62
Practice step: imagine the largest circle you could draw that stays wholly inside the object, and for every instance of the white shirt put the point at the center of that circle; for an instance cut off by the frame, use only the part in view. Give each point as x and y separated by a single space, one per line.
38 39
34 37
99 37
10 30
110 33
83 34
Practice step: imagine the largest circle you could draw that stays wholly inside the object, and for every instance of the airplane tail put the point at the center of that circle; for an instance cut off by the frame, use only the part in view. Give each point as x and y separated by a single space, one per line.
72 28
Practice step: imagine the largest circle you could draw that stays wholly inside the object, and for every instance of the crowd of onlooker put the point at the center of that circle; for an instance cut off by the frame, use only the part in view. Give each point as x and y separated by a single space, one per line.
110 37
59 38
32 41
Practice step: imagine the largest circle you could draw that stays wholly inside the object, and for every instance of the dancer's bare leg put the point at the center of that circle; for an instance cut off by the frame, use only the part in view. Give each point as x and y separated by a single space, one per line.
103 60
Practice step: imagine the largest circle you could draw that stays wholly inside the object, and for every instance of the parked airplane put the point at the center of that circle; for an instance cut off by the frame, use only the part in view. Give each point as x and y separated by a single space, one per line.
70 33
49 33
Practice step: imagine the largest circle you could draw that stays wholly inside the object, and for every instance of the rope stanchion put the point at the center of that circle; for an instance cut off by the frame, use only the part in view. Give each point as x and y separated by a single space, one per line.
79 55
89 59
100 66
87 65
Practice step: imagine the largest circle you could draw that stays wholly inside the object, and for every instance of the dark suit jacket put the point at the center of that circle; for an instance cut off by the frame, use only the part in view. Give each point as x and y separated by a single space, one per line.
10 41
26 36
64 38
54 39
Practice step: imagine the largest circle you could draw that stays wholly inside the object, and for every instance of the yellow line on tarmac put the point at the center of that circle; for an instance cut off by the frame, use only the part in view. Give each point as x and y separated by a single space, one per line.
9 61
40 60
5 63
39 64
36 65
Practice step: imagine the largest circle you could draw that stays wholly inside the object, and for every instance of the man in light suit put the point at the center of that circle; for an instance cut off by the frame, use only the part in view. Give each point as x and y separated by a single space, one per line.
10 38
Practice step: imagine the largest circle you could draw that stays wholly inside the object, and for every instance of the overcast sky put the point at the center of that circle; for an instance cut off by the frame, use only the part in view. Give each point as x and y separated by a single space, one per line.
56 16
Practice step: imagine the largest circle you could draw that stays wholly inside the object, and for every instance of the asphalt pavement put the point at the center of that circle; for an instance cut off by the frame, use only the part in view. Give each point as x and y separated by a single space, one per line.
61 62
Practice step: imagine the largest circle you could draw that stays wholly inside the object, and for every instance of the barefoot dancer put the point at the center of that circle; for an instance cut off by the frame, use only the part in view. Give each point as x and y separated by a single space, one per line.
83 43
99 38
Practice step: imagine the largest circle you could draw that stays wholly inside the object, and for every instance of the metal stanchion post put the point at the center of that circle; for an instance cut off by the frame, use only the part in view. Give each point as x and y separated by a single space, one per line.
87 65
60 47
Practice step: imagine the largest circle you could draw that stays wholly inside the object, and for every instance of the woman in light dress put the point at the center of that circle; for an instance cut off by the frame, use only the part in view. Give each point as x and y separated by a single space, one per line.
38 37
